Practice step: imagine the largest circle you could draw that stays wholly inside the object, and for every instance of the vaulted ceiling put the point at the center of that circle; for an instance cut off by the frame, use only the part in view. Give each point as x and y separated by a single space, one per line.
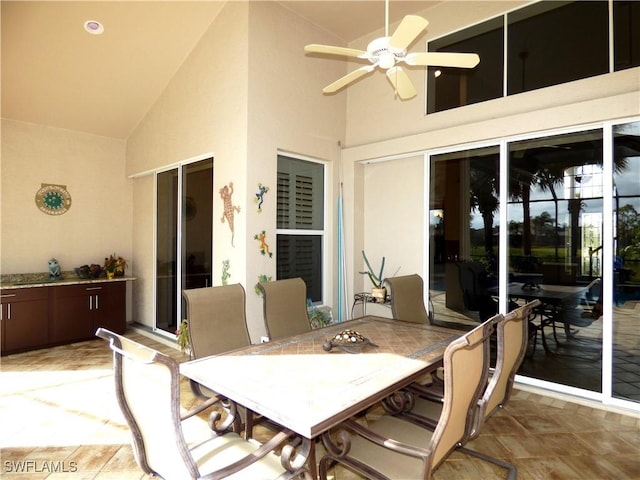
55 73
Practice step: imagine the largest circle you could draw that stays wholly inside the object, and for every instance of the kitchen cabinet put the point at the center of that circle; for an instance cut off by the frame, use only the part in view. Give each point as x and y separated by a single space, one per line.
78 310
25 318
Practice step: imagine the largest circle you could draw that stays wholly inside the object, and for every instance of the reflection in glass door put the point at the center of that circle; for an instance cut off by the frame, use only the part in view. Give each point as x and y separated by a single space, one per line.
626 274
184 226
555 242
463 235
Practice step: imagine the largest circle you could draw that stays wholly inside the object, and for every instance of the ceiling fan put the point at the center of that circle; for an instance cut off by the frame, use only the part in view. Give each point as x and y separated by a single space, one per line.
389 51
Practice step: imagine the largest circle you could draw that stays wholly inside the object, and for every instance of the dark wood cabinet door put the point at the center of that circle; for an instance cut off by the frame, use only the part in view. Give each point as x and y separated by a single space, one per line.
25 319
110 310
72 318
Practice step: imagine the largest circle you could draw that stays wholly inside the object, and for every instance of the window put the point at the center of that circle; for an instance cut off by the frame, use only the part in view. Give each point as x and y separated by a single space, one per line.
626 31
556 42
548 43
453 87
300 223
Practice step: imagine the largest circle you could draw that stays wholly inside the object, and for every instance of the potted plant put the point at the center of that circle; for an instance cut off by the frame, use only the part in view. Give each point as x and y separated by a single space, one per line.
378 291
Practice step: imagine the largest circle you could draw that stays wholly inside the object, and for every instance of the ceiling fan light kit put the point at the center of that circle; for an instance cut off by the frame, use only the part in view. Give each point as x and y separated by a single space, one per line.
388 51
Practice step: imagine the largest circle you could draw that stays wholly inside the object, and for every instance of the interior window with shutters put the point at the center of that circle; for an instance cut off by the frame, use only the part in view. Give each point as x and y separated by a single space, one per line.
300 223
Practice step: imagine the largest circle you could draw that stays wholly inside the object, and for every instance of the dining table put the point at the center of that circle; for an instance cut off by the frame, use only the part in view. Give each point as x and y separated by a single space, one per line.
311 382
555 302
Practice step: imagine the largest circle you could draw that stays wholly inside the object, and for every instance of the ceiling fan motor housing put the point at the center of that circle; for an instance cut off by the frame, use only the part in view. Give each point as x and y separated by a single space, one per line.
383 55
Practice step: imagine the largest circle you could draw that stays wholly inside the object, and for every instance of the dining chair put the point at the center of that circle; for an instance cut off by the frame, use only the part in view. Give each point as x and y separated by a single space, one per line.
407 298
175 444
285 307
216 323
475 295
392 447
216 319
512 338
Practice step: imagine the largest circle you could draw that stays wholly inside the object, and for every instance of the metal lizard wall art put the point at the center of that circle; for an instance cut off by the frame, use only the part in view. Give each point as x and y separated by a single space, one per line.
264 247
225 193
262 189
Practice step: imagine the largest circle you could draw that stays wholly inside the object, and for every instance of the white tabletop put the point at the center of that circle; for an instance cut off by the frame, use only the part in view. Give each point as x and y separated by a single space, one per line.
301 387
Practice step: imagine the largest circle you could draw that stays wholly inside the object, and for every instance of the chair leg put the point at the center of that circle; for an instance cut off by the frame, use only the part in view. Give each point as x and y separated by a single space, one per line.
511 469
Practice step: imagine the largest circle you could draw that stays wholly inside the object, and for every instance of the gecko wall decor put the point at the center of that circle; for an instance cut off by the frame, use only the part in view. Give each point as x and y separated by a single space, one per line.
264 247
225 272
259 198
262 278
225 193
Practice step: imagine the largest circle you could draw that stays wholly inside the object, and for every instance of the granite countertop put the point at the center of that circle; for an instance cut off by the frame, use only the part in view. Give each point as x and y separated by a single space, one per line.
29 280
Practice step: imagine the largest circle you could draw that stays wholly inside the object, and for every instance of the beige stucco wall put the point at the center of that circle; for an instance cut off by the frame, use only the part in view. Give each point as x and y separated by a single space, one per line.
287 112
203 111
244 93
92 168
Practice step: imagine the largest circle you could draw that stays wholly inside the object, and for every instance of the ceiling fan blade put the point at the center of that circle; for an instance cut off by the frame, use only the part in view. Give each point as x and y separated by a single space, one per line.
443 59
328 49
410 27
401 83
348 78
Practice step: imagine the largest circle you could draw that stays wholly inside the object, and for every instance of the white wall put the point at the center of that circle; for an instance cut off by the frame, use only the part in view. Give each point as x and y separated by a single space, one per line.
287 112
394 208
246 91
92 168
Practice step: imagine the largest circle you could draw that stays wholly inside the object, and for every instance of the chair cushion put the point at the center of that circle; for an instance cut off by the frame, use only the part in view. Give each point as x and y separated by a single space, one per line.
212 452
392 464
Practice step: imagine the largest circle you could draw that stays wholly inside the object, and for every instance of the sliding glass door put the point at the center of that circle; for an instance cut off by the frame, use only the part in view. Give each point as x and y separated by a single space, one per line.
556 236
554 218
184 226
463 232
625 333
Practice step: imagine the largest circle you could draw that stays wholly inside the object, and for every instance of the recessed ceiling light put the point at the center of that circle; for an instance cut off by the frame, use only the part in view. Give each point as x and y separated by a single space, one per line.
94 27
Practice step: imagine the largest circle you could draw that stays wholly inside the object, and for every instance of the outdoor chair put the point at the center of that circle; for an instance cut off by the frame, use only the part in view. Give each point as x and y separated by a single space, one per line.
285 307
216 322
393 448
584 310
216 319
475 295
512 339
407 298
175 444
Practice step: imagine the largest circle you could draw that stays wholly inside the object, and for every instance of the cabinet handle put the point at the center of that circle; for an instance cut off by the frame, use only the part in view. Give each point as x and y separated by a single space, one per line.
97 307
8 295
8 311
91 302
93 288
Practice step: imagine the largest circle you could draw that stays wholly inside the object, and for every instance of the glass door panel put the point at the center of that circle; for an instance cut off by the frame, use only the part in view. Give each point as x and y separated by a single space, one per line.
197 224
626 281
463 232
166 247
184 225
555 215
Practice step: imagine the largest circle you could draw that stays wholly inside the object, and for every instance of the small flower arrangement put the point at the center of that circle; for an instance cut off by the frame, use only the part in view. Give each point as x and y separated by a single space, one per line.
114 265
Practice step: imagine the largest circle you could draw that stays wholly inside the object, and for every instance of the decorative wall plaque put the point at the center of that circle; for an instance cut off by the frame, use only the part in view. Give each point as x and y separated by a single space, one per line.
53 199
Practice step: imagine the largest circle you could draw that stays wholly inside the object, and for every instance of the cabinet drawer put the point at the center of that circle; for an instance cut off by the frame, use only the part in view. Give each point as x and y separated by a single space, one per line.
98 288
10 295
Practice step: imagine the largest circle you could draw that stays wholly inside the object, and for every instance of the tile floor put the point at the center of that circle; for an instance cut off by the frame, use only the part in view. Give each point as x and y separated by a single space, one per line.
60 420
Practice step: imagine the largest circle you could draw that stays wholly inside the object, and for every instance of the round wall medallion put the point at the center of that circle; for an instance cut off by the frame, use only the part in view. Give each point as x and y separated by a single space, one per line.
53 199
